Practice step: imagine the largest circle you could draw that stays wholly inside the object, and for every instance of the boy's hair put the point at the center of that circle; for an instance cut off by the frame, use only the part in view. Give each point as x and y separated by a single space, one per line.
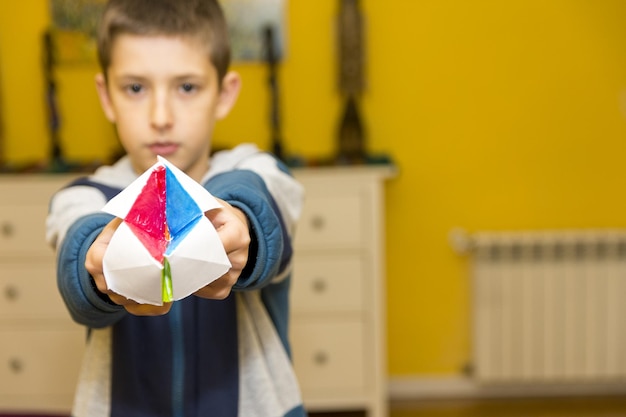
199 19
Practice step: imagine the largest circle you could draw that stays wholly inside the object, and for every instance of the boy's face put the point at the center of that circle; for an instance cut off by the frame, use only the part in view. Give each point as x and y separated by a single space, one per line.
164 96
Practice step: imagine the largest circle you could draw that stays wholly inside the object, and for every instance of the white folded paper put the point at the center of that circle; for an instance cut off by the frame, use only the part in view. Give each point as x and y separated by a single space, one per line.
165 249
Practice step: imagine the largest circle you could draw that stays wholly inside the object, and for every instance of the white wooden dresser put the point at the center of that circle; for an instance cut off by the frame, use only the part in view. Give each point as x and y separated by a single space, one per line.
338 298
40 346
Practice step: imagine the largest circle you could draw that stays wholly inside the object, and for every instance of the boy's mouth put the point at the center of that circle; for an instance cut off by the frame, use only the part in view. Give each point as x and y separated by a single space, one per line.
163 149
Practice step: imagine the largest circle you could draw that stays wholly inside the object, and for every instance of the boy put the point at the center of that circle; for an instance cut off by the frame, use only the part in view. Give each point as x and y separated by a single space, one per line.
222 351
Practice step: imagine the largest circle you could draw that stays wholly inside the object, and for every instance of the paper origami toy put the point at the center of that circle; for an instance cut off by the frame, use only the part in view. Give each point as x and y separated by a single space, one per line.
165 249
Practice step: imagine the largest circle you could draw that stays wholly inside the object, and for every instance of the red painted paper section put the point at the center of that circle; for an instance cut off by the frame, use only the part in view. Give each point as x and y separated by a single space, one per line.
146 217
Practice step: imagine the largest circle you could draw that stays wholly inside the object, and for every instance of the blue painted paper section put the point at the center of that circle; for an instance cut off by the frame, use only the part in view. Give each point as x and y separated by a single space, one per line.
181 211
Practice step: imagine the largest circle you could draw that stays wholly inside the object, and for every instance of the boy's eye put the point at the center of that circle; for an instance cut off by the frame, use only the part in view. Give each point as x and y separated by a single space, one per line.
134 88
187 87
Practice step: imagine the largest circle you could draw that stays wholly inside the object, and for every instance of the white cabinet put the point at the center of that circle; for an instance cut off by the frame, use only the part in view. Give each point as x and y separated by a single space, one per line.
338 293
40 346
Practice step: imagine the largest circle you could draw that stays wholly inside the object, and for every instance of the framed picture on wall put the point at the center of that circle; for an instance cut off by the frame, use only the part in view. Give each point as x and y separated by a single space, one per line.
248 21
74 24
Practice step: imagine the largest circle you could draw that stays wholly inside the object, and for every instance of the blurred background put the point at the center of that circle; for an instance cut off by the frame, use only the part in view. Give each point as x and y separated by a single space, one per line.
498 115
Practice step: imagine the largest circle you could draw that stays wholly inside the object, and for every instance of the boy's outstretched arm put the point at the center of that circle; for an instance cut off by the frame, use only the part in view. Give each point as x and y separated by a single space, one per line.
86 304
270 251
265 201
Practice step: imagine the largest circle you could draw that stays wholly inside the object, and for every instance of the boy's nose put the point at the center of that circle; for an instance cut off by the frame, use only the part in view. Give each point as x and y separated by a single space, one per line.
161 117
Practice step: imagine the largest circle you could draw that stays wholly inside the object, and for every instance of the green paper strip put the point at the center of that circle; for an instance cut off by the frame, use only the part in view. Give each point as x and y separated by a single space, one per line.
168 291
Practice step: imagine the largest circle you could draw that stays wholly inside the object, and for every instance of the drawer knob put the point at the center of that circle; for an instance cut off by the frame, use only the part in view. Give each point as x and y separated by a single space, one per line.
319 285
7 229
317 222
320 358
16 365
11 293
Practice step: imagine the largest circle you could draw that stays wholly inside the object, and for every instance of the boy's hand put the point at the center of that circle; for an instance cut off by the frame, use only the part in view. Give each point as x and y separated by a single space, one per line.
93 264
232 227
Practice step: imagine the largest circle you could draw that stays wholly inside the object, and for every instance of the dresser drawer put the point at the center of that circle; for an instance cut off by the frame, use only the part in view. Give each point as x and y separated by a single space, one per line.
29 291
327 284
40 362
23 230
328 355
333 221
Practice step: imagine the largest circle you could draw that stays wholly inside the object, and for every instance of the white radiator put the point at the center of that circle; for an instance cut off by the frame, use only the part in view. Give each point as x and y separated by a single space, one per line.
549 306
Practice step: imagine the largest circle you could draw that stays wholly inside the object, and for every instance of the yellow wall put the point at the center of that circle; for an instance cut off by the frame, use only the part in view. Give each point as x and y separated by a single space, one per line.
22 105
499 115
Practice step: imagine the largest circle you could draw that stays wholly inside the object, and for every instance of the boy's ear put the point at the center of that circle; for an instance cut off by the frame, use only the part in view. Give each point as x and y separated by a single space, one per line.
231 85
105 99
